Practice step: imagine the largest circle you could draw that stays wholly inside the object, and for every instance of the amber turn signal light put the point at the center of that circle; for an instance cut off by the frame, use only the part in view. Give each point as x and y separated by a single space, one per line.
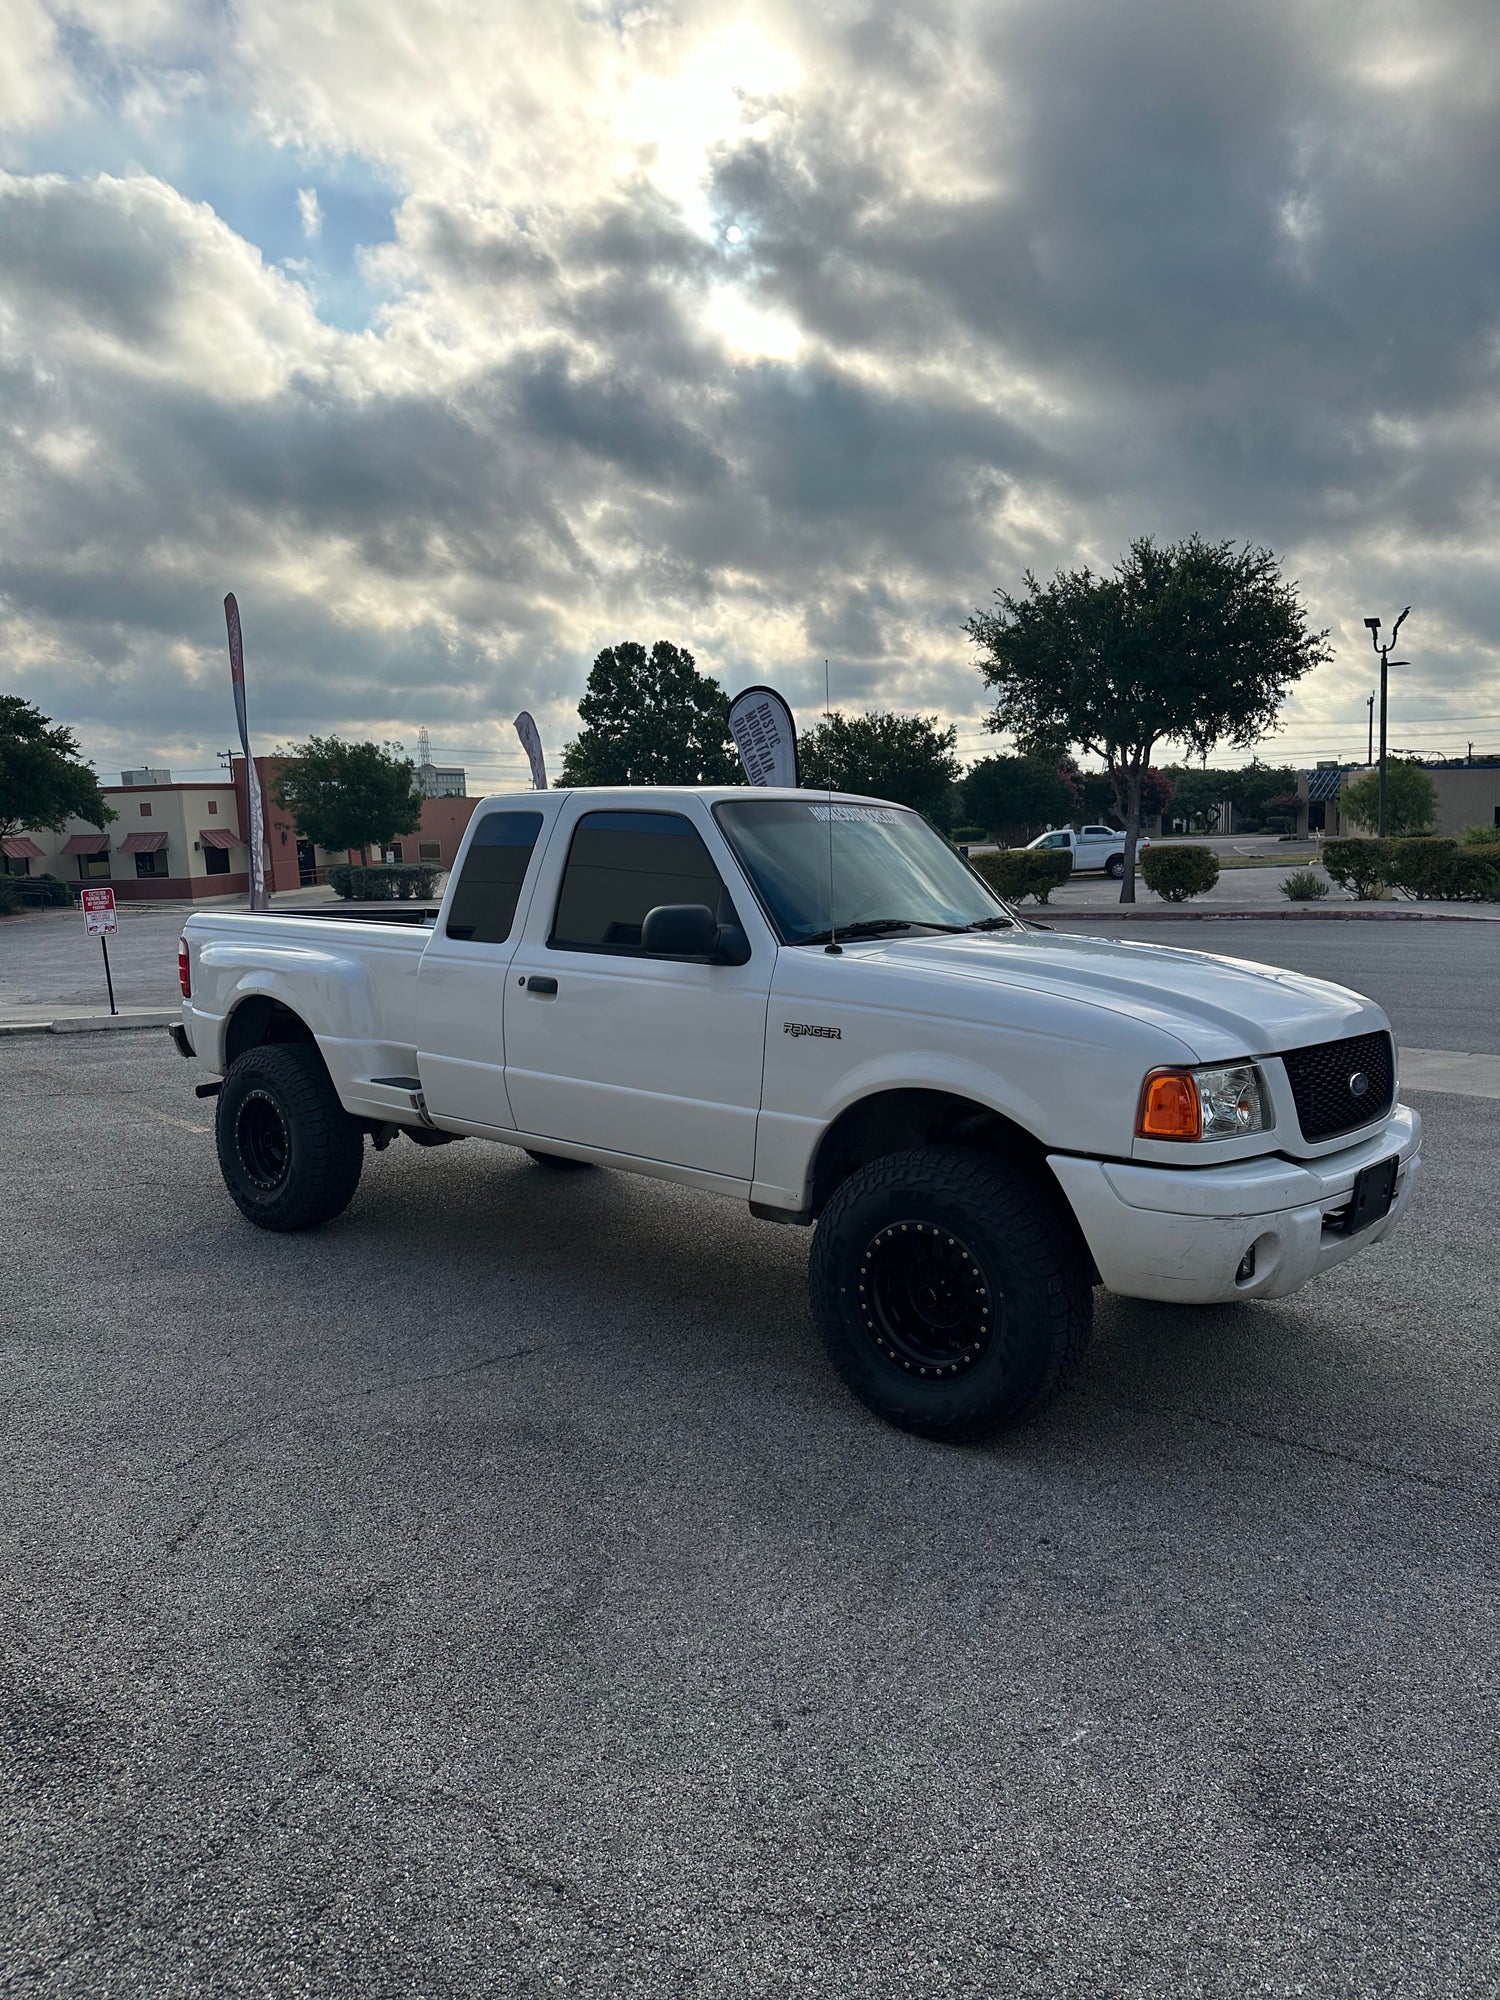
1169 1106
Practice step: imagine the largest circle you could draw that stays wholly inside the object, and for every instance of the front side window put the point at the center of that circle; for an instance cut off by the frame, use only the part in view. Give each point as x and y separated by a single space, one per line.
1053 840
824 865
483 906
621 866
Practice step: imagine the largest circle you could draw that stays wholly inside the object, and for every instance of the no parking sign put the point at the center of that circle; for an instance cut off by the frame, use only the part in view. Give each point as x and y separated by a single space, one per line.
99 916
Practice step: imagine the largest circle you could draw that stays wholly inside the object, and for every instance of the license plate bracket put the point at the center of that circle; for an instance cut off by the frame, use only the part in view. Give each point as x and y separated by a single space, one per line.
1371 1196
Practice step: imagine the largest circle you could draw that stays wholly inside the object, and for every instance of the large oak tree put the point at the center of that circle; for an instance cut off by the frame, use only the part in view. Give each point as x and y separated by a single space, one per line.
43 782
651 719
1194 643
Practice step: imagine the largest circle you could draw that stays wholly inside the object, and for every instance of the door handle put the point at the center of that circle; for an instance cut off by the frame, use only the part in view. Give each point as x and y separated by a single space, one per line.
541 982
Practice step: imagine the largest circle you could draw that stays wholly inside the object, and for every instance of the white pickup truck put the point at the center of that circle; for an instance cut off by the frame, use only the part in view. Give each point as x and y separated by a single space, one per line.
810 1003
1094 849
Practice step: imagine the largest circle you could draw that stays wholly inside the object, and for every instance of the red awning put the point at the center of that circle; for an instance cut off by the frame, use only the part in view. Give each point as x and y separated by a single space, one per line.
85 843
19 848
143 843
219 836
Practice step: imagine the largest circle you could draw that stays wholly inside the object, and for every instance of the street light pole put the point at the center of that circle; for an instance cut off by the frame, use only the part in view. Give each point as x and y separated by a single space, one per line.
1384 652
1370 748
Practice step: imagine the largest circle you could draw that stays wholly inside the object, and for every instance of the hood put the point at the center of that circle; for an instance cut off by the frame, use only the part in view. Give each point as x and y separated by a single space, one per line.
1220 1007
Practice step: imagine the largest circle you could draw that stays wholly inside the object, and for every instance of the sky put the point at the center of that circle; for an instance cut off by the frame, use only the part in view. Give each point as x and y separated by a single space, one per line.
463 339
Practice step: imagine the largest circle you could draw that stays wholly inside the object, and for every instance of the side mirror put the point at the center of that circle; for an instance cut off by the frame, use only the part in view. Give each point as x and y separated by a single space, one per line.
680 930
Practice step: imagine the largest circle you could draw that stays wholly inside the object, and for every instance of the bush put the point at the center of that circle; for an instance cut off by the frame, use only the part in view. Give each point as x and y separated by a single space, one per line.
47 892
1303 886
962 836
1176 873
1440 868
384 881
1357 865
10 901
1018 872
1482 836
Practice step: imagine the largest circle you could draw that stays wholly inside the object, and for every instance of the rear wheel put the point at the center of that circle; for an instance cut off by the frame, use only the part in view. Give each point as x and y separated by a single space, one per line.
953 1296
290 1154
1115 867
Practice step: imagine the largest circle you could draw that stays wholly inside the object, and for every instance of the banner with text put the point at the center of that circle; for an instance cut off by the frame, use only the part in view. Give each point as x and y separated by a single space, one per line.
255 833
765 736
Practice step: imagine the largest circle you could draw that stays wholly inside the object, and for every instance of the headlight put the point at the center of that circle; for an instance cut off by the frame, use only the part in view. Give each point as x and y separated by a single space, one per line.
1219 1103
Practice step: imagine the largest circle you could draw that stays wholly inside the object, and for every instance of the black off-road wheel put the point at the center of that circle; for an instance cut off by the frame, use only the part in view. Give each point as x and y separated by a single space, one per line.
557 1162
1114 868
289 1152
953 1293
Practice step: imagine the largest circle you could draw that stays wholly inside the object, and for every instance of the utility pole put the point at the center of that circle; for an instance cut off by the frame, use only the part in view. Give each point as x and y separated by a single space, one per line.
1370 750
1384 651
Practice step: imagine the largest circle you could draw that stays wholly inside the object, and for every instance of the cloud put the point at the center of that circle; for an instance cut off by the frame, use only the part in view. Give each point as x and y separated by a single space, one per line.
780 332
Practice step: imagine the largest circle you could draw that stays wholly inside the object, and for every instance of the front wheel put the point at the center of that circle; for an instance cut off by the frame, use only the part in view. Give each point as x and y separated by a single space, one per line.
1114 868
289 1152
953 1297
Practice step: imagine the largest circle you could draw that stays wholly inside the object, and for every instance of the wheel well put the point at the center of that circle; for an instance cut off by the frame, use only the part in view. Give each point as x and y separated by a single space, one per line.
896 1121
261 1019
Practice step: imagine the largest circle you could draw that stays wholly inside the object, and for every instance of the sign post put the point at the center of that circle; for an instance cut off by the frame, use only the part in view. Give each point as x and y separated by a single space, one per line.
100 920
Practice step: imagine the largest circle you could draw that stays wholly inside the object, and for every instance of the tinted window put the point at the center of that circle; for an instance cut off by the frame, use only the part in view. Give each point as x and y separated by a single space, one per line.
484 902
622 865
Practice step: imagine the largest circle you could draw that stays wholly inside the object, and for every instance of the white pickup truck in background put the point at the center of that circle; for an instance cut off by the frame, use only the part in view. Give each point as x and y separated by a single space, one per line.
1095 849
811 1004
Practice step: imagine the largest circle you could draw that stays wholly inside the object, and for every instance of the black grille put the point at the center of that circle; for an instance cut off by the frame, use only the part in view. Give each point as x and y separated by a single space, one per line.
1320 1078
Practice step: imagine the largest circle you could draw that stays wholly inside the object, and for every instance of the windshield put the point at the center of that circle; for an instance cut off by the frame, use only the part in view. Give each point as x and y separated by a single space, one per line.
890 871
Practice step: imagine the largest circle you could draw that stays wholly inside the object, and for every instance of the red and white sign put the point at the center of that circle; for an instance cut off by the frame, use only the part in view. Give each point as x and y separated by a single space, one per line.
99 918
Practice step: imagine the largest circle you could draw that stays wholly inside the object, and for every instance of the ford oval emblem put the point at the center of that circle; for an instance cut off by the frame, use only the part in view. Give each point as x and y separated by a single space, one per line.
1359 1084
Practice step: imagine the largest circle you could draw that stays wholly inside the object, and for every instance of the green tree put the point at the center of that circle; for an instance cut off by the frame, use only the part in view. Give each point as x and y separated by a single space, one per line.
1410 798
909 759
344 795
43 782
651 719
1194 643
1010 796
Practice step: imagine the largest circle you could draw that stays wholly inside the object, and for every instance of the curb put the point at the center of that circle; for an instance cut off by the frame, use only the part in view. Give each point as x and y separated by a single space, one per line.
1125 914
88 1024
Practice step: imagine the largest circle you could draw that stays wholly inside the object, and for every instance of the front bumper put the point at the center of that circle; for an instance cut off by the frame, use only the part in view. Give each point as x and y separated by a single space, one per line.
1182 1233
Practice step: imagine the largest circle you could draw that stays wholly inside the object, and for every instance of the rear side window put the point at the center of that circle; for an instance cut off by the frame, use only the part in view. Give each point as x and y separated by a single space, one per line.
484 902
622 865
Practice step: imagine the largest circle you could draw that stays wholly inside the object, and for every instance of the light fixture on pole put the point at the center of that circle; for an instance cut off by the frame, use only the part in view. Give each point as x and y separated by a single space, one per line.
1373 625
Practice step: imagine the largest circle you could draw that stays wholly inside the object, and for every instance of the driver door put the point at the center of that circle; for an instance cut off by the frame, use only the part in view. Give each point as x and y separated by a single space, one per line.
659 1059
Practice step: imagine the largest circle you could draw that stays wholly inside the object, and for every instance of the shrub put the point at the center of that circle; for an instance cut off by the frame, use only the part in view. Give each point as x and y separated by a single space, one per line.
1176 873
1357 865
1482 836
49 893
1303 886
384 881
1018 872
962 836
1440 868
10 901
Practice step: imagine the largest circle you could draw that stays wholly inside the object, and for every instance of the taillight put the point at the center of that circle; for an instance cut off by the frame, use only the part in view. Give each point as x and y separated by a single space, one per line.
184 971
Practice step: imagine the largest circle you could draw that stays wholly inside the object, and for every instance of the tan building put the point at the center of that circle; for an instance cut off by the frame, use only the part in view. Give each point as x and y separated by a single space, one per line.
178 842
1467 795
168 842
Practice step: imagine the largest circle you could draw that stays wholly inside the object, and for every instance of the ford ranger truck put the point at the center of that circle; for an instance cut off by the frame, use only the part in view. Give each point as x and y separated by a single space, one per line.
809 1003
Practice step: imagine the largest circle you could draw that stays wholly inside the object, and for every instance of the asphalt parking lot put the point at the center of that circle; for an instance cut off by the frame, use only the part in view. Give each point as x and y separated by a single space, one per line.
496 1594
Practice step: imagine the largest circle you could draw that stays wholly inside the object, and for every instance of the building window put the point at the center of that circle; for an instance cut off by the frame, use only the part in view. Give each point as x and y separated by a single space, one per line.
94 867
429 850
397 850
16 864
151 864
213 807
484 901
620 866
215 860
145 810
